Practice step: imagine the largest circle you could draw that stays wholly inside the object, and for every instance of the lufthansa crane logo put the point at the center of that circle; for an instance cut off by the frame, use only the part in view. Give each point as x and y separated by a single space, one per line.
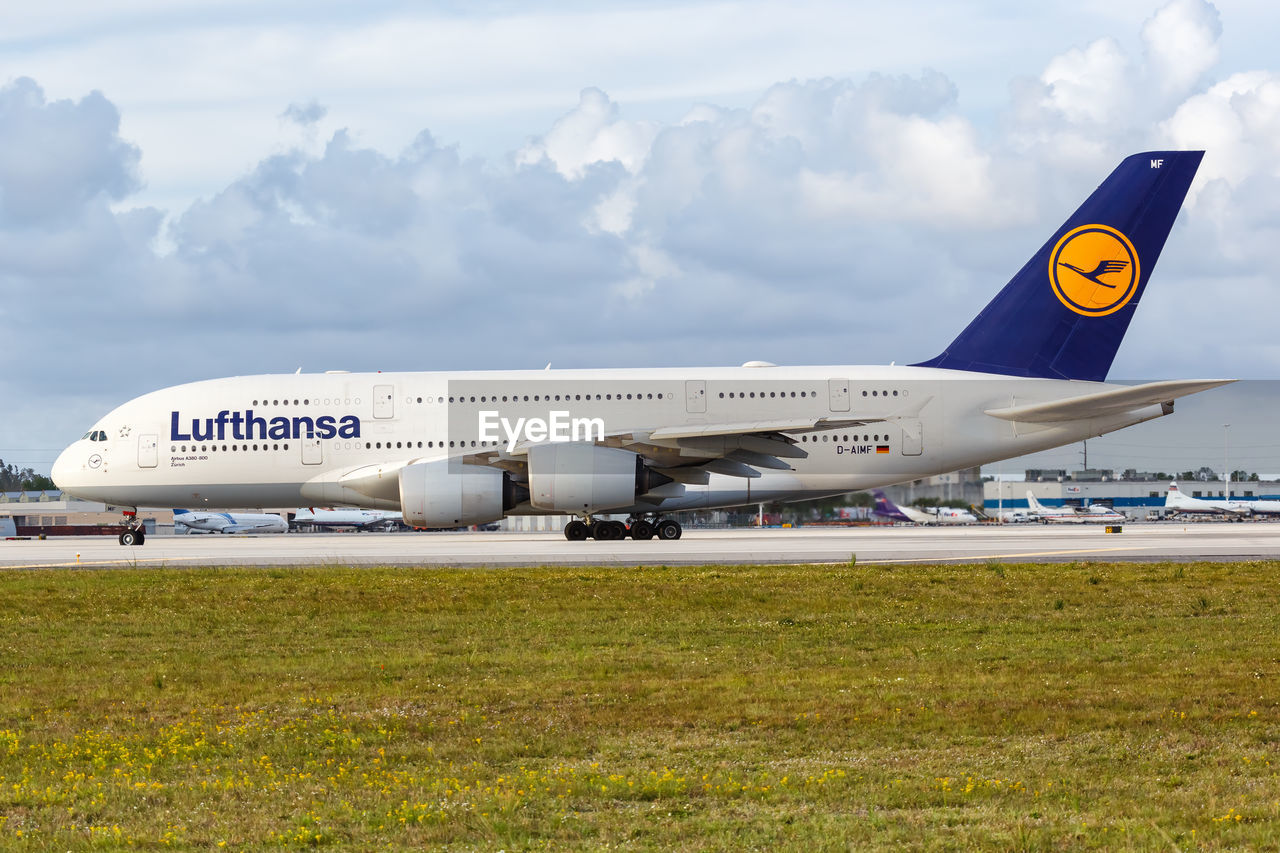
1094 270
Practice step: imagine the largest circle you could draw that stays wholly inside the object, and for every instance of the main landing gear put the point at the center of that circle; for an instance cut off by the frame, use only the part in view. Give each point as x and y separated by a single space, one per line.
636 527
133 533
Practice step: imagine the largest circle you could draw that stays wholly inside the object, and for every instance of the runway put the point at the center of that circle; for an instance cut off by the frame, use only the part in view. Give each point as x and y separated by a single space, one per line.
892 545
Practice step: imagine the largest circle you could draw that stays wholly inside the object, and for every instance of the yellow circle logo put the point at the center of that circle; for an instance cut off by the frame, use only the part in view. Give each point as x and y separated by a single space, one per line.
1094 270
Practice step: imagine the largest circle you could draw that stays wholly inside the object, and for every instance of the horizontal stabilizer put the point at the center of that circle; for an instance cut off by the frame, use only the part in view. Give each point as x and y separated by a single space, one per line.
1104 403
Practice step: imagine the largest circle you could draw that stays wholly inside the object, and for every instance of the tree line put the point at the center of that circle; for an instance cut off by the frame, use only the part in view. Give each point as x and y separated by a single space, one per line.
15 479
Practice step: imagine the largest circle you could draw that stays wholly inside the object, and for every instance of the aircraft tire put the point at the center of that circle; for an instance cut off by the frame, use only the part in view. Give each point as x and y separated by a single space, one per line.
610 531
575 531
642 530
669 530
132 537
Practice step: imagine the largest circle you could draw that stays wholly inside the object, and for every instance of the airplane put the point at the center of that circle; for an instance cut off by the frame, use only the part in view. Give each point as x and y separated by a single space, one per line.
1259 507
229 522
1093 514
360 519
456 449
1014 516
1182 503
1039 512
885 508
1100 514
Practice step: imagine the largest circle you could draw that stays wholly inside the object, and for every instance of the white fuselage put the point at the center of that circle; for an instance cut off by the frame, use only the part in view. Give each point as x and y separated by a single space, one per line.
290 440
940 515
231 522
950 515
1088 515
1071 515
1179 501
345 518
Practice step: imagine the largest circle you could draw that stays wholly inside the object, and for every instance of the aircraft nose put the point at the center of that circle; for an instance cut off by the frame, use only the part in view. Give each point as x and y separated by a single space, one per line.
61 470
67 469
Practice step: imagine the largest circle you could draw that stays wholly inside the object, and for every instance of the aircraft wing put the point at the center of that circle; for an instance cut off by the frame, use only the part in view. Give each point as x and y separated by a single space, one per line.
1104 403
690 453
757 427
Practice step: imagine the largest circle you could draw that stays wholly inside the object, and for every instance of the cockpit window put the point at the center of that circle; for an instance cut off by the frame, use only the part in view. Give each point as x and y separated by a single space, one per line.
95 435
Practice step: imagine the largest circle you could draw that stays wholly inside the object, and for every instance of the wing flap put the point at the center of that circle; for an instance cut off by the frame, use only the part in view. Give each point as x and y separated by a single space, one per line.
753 427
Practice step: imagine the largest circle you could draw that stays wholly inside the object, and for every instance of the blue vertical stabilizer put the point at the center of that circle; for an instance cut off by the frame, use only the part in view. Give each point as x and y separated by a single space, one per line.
1064 314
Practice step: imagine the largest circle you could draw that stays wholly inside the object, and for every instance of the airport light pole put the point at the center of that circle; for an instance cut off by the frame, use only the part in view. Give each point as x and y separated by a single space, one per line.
1226 431
999 498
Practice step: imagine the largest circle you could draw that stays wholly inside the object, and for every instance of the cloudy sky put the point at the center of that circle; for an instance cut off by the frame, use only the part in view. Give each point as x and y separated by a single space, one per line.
191 189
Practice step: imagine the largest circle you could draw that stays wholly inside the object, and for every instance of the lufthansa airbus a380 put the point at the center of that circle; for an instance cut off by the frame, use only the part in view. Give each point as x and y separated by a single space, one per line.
450 449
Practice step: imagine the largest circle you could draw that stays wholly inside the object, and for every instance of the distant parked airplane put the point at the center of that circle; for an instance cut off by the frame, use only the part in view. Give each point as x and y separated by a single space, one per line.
1072 515
360 519
1176 500
1259 507
886 508
1181 502
229 522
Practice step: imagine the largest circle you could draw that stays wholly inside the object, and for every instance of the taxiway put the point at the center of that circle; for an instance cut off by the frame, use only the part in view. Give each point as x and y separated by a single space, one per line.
1023 543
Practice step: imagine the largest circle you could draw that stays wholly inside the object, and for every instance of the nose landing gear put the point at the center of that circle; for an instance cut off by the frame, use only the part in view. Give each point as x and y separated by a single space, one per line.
133 533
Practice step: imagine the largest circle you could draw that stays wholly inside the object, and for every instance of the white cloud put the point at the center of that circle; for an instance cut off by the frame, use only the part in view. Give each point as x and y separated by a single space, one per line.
589 134
919 170
305 114
1238 122
1089 86
57 157
1181 41
796 225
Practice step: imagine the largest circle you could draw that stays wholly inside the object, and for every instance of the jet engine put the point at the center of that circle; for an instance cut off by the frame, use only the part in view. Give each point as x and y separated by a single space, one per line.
576 477
450 494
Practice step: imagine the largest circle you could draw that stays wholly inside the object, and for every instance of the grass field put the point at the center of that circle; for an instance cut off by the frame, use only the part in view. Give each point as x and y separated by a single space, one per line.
1132 706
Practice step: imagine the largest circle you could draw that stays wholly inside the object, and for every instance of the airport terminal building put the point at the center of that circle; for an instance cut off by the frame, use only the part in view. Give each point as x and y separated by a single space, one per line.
37 511
1136 494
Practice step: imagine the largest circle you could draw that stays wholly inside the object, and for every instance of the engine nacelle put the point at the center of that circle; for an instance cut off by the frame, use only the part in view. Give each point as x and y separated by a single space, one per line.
450 494
577 477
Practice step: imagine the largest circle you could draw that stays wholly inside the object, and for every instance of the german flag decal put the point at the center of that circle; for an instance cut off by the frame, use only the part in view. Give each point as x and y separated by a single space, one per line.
882 448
